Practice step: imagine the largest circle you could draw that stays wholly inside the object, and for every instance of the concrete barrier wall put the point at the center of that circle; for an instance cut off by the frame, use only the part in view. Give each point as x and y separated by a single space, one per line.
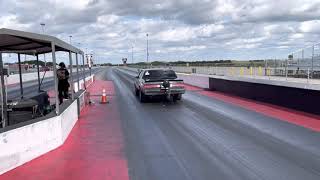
295 98
68 120
89 80
22 144
81 102
195 80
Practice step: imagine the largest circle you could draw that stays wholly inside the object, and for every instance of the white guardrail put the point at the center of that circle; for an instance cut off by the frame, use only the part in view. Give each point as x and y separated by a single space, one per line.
25 143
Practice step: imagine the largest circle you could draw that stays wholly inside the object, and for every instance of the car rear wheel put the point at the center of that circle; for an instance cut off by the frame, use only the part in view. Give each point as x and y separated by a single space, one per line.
136 91
142 97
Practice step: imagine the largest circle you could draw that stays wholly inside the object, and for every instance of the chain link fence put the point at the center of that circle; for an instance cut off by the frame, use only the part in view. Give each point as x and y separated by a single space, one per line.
306 62
302 65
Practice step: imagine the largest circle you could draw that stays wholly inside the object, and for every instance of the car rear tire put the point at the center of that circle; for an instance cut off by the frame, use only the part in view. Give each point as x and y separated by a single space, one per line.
142 97
136 91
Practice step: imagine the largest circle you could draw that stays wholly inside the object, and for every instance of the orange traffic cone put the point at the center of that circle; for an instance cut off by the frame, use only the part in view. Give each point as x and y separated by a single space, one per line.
104 97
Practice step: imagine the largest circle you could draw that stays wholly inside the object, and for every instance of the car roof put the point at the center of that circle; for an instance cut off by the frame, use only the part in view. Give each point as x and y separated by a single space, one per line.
150 69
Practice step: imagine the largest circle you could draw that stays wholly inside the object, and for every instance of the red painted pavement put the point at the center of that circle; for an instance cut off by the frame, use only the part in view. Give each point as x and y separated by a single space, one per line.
94 149
192 88
299 118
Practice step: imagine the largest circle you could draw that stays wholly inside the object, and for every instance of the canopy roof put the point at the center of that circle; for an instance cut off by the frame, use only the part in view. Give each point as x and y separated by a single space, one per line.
13 41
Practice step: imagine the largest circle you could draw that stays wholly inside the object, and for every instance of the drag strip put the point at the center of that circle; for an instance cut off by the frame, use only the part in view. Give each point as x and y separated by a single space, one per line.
203 138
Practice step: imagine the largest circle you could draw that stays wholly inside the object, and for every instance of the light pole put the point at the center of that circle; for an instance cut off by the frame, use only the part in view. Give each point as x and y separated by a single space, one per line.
70 38
147 48
132 54
42 27
44 55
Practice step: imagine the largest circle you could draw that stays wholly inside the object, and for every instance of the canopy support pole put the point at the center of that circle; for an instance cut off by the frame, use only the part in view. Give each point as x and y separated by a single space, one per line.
38 69
84 73
4 97
20 75
54 64
78 76
71 75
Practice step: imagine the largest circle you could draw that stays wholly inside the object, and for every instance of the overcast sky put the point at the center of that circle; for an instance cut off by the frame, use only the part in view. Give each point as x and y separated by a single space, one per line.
178 29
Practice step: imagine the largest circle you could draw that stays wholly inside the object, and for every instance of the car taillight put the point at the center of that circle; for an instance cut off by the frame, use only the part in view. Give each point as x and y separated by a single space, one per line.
181 85
149 86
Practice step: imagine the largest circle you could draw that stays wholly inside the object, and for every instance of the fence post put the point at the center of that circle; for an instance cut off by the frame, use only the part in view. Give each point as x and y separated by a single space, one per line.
302 58
308 75
265 67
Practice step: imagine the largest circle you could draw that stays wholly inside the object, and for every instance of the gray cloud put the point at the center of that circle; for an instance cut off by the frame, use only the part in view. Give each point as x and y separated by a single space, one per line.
178 28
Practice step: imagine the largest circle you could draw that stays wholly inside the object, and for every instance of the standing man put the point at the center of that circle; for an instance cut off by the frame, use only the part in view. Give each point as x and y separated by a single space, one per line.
63 84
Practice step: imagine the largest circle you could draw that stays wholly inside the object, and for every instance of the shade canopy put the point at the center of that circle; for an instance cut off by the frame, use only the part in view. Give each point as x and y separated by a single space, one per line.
13 41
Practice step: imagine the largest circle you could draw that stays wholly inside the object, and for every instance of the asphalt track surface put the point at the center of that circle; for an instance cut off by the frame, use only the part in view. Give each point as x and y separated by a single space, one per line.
201 138
30 88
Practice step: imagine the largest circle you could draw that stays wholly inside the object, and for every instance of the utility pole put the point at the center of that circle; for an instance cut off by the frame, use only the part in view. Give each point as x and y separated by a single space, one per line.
132 54
147 48
70 38
42 27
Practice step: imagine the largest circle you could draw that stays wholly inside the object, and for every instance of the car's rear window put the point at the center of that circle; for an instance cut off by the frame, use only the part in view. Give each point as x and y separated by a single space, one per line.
160 74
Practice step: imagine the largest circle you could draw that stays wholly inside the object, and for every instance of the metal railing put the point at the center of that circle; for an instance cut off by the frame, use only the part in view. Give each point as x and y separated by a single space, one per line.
306 61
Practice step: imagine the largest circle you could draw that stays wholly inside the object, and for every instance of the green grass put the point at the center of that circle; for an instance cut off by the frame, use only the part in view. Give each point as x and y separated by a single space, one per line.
222 63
